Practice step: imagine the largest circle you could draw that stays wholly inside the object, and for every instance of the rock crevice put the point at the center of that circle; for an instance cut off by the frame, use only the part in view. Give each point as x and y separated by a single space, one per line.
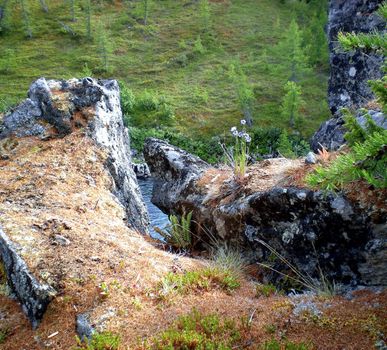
311 229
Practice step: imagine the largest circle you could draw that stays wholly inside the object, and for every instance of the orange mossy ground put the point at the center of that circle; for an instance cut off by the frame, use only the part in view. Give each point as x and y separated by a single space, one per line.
60 187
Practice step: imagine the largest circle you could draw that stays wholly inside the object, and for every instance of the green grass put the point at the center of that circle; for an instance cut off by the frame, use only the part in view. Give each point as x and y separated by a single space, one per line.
149 58
100 341
197 280
212 332
197 331
266 290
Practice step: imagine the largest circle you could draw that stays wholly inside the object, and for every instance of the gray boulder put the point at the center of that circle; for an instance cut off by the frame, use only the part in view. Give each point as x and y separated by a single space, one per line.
309 228
331 133
33 295
350 72
57 108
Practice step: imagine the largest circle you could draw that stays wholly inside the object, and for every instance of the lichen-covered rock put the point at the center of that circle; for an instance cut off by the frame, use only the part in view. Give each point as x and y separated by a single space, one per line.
331 133
141 170
33 295
311 229
350 72
57 108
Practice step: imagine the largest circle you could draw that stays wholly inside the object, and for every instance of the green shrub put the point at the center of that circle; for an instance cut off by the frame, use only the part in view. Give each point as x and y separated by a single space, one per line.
178 233
265 290
202 279
366 161
284 345
197 331
147 101
100 341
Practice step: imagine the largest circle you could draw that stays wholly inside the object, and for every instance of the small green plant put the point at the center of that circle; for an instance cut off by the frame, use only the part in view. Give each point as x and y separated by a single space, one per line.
197 331
239 156
292 103
274 344
203 279
104 290
178 233
3 335
228 259
265 290
100 341
366 161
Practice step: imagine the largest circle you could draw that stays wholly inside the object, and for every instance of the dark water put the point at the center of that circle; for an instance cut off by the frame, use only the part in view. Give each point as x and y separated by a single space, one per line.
156 216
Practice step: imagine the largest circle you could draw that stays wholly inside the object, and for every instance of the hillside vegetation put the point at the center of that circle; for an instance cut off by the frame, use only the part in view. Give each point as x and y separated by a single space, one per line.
197 66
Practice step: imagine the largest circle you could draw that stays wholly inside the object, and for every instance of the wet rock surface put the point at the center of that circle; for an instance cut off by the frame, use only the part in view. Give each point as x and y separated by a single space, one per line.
310 228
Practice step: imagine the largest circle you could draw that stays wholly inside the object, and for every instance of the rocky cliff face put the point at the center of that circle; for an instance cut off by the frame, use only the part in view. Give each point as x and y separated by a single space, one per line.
58 108
53 111
309 228
351 71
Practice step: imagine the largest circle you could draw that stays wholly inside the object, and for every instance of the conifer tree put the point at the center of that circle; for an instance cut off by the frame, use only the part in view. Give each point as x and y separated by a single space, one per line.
146 11
104 47
291 103
316 39
88 19
205 16
4 15
293 61
43 5
244 91
72 10
26 18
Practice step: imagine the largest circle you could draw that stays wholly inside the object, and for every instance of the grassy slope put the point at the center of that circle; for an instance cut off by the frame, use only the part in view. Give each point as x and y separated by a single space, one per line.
142 57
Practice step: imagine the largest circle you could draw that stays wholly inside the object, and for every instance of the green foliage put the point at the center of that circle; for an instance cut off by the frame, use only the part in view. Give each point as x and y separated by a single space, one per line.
243 88
367 158
197 331
315 38
379 89
88 15
104 47
178 233
284 345
292 103
367 161
198 46
291 54
205 16
146 11
26 18
3 336
4 20
366 41
7 61
284 146
228 258
265 290
208 150
203 279
100 341
355 132
143 56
